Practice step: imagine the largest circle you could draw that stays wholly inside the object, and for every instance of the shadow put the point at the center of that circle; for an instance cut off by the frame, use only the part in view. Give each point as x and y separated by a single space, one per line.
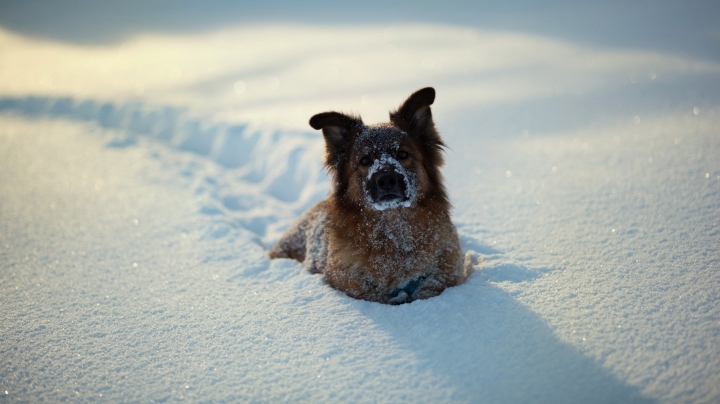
490 348
469 242
688 28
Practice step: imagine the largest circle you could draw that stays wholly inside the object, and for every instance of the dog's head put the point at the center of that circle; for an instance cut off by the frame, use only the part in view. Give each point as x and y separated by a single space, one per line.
385 166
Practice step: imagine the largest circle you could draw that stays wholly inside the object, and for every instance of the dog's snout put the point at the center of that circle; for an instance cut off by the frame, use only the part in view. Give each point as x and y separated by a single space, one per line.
388 181
387 186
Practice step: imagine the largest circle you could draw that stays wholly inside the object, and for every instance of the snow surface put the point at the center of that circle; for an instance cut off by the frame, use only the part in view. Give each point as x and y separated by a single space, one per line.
142 182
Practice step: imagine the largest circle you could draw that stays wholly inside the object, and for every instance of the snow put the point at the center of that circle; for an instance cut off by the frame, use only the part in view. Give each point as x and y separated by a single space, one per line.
141 186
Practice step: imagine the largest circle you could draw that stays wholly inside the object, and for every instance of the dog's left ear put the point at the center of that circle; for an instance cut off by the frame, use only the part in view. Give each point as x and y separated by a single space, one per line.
414 115
338 131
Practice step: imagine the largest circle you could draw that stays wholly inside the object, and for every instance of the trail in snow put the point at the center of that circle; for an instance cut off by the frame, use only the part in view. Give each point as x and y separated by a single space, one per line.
284 166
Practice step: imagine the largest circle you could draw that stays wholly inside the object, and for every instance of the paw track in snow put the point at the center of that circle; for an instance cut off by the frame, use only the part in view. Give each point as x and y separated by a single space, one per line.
286 167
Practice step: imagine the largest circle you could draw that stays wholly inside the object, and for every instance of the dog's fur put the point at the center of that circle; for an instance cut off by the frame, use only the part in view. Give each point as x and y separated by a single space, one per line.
384 234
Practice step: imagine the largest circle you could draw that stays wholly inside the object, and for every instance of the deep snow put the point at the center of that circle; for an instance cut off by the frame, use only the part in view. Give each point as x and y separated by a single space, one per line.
142 182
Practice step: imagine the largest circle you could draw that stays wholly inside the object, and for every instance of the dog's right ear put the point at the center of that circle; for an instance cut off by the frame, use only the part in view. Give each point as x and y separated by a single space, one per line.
338 130
414 115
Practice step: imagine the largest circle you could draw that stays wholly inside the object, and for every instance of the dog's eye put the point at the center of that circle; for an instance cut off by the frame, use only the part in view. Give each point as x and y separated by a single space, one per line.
402 154
365 161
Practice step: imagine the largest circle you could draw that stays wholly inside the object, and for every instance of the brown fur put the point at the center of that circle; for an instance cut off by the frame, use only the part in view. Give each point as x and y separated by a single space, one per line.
395 255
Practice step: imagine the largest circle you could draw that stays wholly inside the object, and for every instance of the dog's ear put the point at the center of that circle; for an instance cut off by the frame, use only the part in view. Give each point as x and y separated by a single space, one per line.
415 118
338 130
414 115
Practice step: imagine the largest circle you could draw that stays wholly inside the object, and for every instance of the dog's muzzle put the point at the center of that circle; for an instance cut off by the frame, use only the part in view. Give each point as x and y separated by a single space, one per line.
387 186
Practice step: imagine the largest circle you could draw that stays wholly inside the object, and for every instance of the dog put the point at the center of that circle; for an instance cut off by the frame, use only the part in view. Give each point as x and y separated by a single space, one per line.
384 234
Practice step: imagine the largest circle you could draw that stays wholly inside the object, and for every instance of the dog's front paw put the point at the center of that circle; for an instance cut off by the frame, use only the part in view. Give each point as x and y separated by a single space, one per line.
400 298
406 293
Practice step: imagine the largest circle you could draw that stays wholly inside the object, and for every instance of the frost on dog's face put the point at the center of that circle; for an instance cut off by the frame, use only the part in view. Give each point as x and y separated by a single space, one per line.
387 166
386 169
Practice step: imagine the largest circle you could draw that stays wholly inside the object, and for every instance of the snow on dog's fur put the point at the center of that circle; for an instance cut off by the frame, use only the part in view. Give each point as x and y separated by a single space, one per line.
384 234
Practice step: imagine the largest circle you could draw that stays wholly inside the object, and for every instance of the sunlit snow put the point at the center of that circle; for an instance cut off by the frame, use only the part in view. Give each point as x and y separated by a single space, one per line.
141 183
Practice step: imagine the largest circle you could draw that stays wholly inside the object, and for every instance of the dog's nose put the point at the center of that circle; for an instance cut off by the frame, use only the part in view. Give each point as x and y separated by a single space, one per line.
388 181
387 186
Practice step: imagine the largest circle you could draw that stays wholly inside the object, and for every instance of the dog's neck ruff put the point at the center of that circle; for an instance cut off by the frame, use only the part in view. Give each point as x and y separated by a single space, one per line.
410 185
